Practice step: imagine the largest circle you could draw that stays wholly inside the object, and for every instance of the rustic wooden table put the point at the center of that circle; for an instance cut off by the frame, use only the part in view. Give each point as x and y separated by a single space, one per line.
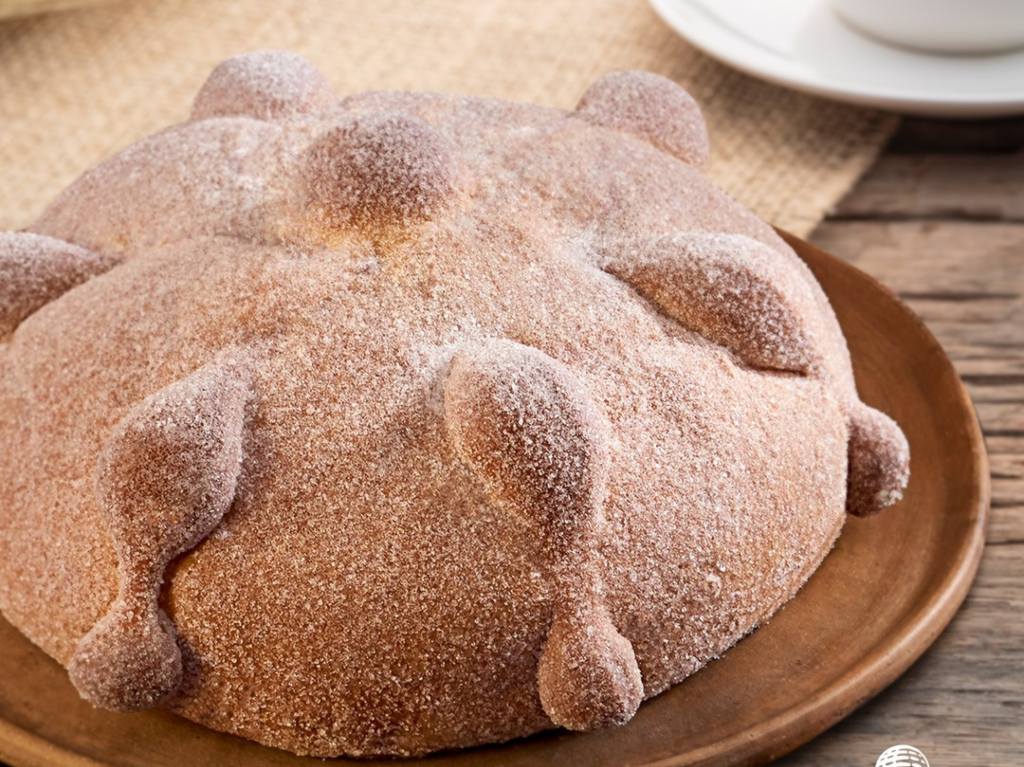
940 220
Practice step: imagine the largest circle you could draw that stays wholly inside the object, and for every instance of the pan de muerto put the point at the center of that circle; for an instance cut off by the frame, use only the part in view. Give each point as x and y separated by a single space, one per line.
402 421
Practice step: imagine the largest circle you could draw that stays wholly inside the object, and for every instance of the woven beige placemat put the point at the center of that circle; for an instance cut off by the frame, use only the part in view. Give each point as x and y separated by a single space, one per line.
79 85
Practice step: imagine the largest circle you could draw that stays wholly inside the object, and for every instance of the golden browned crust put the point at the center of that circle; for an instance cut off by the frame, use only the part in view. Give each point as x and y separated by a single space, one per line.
405 421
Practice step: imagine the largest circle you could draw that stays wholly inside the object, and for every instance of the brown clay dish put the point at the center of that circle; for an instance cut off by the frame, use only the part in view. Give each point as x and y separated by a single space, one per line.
879 600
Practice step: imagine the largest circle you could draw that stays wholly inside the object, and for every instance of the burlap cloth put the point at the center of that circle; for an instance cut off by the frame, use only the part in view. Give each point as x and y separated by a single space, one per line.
77 86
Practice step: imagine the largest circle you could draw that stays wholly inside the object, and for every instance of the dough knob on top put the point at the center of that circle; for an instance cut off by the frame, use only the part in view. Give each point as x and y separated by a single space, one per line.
731 289
737 292
525 424
650 107
267 85
167 477
380 170
879 461
35 270
130 660
588 675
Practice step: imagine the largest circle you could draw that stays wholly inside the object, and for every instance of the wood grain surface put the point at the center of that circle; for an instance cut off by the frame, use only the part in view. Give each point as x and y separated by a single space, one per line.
940 220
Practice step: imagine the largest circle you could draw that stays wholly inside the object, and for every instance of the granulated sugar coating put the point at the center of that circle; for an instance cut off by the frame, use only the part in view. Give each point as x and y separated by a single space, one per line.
35 269
165 480
402 422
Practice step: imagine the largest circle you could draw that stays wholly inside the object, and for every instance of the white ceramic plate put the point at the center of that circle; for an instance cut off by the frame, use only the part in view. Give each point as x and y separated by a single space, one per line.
802 44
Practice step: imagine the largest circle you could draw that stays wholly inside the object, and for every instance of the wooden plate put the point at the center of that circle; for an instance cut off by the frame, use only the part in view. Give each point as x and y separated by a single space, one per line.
879 600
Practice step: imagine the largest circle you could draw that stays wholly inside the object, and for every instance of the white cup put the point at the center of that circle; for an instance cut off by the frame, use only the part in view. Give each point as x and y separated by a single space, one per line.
949 26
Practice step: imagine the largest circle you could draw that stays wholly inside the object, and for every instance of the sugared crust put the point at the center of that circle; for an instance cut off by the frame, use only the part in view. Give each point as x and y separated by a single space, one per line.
731 289
409 422
35 269
379 171
528 429
650 107
879 462
524 423
165 480
587 675
267 85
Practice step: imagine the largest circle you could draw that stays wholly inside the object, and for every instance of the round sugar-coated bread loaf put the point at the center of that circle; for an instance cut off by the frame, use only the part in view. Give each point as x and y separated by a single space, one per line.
403 422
